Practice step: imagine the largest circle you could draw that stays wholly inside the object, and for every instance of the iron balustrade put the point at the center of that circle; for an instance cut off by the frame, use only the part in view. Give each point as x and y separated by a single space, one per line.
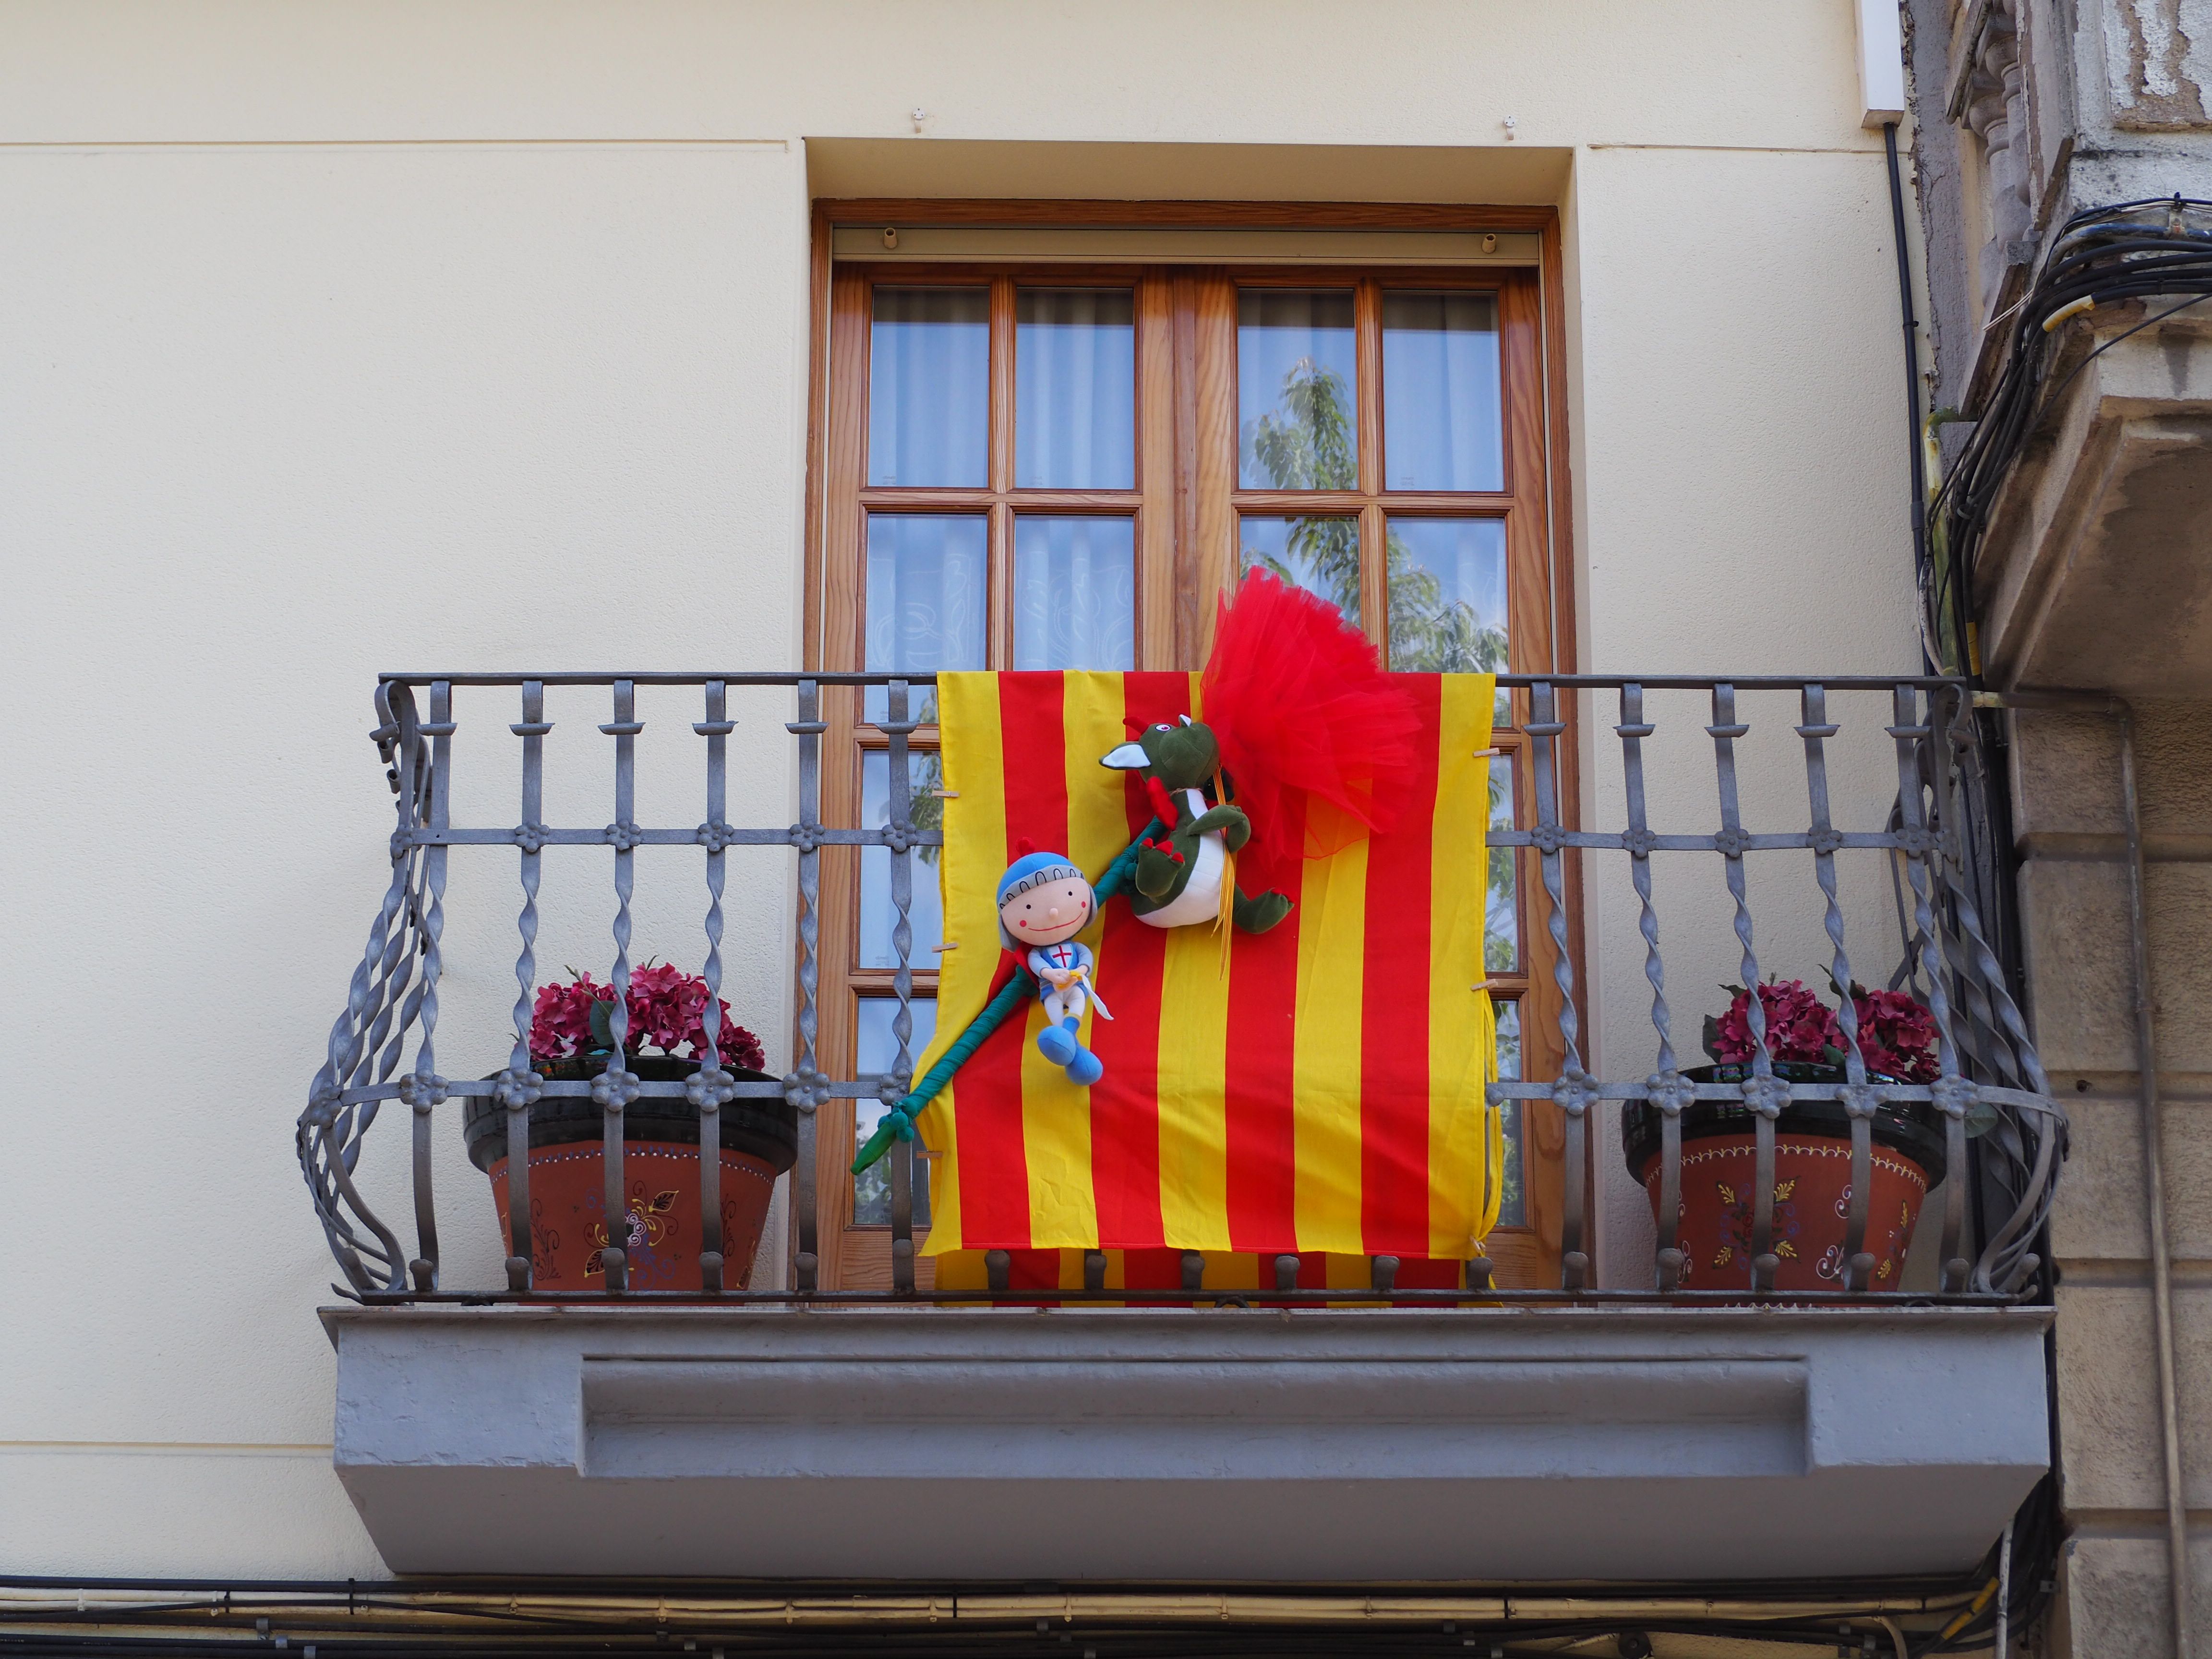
1990 1086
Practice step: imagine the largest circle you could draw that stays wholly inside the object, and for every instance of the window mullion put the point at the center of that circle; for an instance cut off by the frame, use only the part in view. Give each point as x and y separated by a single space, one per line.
1367 360
1374 576
1374 529
1001 637
1155 470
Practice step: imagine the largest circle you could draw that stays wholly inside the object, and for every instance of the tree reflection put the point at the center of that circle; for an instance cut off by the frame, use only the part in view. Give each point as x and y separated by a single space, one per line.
1306 442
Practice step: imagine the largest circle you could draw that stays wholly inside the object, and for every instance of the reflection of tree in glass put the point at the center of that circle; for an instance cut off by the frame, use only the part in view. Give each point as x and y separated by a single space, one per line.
1511 1211
924 805
1500 934
1307 443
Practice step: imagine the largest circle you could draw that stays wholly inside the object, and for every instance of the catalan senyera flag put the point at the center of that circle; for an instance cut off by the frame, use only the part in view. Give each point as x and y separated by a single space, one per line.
1321 1094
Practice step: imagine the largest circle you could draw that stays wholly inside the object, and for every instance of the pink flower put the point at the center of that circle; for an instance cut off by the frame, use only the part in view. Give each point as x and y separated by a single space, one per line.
1897 1035
666 1008
561 1019
1800 1027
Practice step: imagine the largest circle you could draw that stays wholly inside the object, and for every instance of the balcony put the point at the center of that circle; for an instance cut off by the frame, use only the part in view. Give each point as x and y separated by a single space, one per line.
1880 1411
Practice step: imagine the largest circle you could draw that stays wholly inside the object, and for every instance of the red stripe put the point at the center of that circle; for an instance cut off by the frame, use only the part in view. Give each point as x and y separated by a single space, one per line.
994 1183
1152 1270
1426 1273
1033 1270
1393 1081
1261 1156
1124 1108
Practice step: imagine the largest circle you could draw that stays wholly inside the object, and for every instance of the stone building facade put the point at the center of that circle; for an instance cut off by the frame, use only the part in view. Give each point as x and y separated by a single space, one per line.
2091 578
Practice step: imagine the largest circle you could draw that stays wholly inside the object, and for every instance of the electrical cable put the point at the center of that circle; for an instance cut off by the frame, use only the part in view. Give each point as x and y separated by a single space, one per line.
2159 247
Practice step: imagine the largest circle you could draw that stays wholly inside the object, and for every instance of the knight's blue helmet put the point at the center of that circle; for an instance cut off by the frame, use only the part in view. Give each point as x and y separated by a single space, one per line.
1037 870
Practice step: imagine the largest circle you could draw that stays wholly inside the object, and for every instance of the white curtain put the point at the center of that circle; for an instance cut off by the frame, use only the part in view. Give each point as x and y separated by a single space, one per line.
1075 389
1075 592
1440 391
927 610
929 387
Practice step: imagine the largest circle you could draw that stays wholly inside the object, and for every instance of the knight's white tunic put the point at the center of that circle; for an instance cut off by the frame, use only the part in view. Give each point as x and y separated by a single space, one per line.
1060 1005
1200 898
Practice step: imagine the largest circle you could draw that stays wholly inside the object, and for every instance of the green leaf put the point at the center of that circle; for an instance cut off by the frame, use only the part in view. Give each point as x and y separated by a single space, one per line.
1712 1038
602 1028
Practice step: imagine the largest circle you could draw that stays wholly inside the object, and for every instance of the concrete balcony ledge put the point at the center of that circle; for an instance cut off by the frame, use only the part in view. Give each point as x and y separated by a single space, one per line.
1102 1444
2096 535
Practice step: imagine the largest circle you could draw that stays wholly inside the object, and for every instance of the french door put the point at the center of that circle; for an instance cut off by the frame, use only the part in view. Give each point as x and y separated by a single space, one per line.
1061 466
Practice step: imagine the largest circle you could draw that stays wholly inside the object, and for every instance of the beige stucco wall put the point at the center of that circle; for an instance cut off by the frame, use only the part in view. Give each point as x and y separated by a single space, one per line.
341 336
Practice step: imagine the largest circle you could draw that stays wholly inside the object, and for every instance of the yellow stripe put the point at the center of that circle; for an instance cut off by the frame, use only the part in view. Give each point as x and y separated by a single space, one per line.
1325 1065
962 1270
1194 1066
1056 1113
1229 1270
1464 1146
975 852
1348 1273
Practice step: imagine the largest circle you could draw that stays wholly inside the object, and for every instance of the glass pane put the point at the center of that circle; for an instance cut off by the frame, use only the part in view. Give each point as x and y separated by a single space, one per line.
1075 592
924 771
1501 927
1513 1202
1319 554
927 580
1448 595
929 386
1075 388
1440 391
1298 424
877 1048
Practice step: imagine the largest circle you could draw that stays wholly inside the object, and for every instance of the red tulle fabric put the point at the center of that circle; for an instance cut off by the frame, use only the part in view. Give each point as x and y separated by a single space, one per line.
1316 737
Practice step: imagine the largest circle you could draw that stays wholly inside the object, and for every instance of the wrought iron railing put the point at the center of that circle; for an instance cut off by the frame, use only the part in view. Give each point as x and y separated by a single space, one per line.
2003 1132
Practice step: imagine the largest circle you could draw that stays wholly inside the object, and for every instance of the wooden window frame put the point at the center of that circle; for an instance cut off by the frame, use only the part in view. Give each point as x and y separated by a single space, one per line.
1186 494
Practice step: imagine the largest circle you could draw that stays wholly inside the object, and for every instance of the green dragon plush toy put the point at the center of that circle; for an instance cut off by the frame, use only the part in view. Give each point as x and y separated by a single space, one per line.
1187 873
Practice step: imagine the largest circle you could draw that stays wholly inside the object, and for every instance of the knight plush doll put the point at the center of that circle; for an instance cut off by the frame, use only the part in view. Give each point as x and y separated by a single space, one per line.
1043 904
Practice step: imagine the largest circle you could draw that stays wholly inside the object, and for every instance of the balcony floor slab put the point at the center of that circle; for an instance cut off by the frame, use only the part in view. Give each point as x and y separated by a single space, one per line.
1615 1443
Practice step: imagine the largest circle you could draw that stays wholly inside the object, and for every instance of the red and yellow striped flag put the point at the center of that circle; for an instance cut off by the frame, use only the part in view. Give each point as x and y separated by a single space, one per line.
1323 1095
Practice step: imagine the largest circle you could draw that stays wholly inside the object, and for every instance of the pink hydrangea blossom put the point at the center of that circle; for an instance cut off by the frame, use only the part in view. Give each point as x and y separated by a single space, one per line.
561 1019
1896 1033
1800 1027
666 1007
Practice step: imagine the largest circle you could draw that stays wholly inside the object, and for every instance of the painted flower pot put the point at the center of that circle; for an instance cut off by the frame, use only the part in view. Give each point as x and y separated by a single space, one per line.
659 1227
1812 1182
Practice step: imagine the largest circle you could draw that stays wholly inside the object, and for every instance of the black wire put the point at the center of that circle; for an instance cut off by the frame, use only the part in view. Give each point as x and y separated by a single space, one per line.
2105 255
2196 298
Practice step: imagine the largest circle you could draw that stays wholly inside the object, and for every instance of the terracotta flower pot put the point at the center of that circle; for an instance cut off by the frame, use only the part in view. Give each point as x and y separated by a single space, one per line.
1812 1182
660 1227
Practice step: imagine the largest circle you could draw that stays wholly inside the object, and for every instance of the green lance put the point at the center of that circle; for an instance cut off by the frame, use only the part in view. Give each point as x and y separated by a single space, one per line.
897 1124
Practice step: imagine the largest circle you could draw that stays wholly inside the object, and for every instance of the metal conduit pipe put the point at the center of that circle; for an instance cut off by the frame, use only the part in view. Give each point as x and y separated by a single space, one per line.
2153 1130
1911 355
2161 1261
